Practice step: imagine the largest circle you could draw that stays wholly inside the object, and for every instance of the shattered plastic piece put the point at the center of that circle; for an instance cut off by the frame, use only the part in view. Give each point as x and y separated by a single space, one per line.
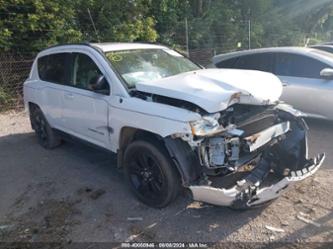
308 221
285 223
152 225
274 229
196 205
303 214
134 218
2 227
258 140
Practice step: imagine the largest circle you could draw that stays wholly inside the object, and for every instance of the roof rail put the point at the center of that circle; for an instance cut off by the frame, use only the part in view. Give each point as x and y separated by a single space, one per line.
68 44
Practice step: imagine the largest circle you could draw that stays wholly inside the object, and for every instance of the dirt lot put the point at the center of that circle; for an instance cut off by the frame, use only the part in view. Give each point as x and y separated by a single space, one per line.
75 193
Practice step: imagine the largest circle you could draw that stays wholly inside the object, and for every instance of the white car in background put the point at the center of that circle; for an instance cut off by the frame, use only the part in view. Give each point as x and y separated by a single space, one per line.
306 74
220 133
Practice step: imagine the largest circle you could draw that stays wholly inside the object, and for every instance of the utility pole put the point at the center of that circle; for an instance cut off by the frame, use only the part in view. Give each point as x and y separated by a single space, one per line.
92 21
249 35
187 38
249 24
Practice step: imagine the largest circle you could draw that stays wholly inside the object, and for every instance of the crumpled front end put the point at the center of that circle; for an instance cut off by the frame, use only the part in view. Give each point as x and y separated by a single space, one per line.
249 158
245 194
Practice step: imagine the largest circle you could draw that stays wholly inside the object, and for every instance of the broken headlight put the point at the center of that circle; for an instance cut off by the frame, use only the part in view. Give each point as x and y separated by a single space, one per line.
206 126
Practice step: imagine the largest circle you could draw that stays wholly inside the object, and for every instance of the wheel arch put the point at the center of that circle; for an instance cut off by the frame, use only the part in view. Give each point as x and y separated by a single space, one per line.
130 134
32 105
181 154
185 159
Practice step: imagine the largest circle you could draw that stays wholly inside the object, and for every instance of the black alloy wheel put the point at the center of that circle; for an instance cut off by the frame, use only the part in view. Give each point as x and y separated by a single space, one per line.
151 174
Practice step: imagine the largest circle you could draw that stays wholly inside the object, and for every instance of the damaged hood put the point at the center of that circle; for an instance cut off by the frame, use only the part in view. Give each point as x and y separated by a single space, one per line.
215 90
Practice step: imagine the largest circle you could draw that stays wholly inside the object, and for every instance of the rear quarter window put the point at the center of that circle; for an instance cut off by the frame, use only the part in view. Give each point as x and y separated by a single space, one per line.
229 63
52 68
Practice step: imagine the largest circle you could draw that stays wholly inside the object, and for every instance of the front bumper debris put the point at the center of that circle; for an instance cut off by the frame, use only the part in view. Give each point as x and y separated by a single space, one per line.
254 195
258 140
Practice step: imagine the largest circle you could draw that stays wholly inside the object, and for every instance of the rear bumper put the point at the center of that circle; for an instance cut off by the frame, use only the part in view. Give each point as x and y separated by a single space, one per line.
254 195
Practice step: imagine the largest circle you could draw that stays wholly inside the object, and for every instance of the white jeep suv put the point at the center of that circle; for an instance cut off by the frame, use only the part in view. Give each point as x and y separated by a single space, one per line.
222 134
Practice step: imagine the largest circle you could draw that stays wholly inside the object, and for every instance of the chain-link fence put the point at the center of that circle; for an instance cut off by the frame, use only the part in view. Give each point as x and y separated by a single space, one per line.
14 69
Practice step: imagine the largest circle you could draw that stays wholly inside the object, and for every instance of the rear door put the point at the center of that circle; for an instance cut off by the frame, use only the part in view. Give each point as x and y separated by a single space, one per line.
85 112
53 72
303 86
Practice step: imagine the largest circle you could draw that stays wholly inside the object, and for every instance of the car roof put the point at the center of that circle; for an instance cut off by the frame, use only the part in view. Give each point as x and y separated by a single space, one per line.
262 50
327 43
115 46
311 52
322 46
104 47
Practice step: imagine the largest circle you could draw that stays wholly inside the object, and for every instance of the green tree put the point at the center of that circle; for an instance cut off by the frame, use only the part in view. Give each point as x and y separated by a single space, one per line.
30 25
299 21
170 20
116 20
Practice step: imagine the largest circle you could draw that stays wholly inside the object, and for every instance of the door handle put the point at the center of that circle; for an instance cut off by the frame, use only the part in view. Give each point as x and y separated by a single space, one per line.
69 96
284 84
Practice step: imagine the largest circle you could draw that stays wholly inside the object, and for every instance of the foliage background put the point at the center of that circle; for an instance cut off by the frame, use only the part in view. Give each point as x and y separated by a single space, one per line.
31 25
214 26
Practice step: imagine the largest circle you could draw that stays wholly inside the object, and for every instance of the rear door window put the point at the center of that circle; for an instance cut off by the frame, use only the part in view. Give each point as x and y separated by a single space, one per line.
54 68
261 62
294 65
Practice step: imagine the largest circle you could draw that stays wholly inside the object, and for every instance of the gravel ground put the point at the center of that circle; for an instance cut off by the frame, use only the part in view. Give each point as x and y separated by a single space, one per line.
74 193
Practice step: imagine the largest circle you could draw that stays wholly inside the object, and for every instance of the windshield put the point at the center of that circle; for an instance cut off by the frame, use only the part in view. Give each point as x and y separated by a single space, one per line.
149 64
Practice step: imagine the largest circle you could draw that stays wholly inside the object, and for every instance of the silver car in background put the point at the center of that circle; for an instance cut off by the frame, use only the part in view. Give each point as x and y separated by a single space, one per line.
324 47
306 74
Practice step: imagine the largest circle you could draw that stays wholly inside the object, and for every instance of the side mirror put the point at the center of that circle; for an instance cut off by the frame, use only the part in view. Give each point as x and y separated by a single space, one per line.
327 73
100 85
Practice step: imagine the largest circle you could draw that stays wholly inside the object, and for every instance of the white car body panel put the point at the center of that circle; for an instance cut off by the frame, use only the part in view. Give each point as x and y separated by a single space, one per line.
85 115
214 89
49 97
153 117
130 113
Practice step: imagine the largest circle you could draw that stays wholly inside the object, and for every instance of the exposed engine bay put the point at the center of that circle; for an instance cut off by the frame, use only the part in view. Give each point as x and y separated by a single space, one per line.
254 153
248 137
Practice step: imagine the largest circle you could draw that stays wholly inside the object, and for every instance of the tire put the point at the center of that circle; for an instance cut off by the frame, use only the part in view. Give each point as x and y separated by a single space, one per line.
47 137
150 174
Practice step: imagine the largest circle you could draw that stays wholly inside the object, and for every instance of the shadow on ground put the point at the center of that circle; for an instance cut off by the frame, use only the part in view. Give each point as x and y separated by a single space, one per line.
75 192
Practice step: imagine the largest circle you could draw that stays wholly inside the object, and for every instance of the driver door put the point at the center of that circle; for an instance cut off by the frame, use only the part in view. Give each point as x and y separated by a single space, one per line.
85 112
